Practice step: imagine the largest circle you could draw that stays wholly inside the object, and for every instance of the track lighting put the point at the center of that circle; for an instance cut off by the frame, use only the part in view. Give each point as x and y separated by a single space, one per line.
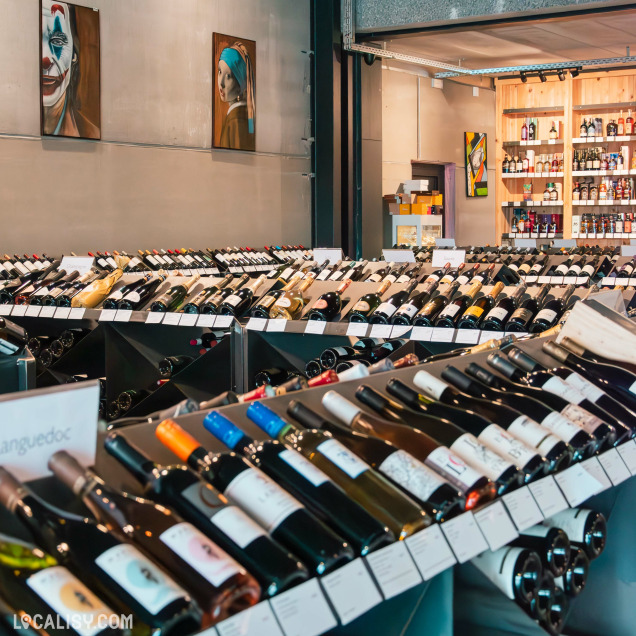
542 77
524 77
574 72
561 74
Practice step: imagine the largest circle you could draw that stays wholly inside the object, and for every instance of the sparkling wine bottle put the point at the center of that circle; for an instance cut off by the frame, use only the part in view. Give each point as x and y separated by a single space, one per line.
174 297
454 310
519 321
428 314
363 309
238 303
328 305
264 304
137 298
289 305
194 304
586 529
211 305
404 315
497 317
385 311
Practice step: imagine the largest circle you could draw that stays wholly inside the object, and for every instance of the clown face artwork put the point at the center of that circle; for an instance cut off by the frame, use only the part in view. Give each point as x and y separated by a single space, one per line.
69 70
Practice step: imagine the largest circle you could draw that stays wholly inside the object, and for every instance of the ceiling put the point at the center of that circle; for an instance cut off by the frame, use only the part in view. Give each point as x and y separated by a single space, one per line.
566 39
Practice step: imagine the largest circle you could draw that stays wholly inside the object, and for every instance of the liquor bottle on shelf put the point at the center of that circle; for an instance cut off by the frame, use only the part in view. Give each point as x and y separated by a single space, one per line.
404 314
100 559
428 314
25 284
438 274
476 487
42 290
551 544
629 123
64 297
263 305
380 274
498 316
174 297
385 311
137 298
282 515
328 305
237 304
549 315
524 131
202 505
520 319
451 314
363 309
290 304
419 481
586 529
115 297
194 304
95 292
211 305
467 275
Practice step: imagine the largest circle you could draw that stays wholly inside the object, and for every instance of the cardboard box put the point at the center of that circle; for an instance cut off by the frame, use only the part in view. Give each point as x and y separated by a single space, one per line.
416 185
420 208
431 199
405 208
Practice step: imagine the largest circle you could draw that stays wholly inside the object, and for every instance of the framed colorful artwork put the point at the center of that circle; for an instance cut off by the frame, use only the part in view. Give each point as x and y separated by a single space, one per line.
476 168
234 93
69 70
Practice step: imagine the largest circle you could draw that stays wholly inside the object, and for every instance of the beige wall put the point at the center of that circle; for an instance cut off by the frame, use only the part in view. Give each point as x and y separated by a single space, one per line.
445 114
60 194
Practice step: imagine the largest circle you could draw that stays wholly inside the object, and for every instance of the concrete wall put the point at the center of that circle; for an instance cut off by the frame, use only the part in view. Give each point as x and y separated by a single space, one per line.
153 180
445 114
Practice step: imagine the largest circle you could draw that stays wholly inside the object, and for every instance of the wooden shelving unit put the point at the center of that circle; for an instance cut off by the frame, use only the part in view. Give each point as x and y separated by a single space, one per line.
603 94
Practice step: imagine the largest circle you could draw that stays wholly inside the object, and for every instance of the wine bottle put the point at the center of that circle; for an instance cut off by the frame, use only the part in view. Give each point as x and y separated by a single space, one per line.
551 311
171 365
274 376
556 608
586 529
384 312
95 292
519 321
497 317
328 305
575 576
363 309
211 305
52 289
551 544
236 304
117 571
289 305
467 275
220 585
438 274
502 471
474 484
174 297
420 482
272 507
471 318
454 310
452 274
263 305
380 274
199 503
129 398
404 315
64 297
136 299
115 297
42 282
427 315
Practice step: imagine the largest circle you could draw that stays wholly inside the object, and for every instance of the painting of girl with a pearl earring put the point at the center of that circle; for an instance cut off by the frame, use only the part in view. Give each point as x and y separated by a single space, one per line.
234 93
69 70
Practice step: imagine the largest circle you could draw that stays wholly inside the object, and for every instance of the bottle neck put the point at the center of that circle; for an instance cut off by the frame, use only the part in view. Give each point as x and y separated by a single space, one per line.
475 288
383 287
188 283
496 290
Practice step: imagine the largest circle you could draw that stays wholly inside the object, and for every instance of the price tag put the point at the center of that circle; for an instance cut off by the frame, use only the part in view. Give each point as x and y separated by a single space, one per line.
400 330
186 272
394 569
171 318
254 621
76 313
331 254
206 320
277 324
467 336
303 610
122 315
430 551
577 484
316 327
33 310
516 204
381 331
19 310
534 235
602 173
569 280
464 537
523 508
614 466
224 322
398 256
454 257
593 466
422 333
531 279
556 280
523 142
496 525
61 312
596 138
622 138
551 234
188 320
154 317
256 324
622 281
632 281
624 202
358 329
351 591
107 315
525 235
81 264
544 279
504 204
441 334
47 312
608 282
551 142
581 280
628 453
490 335
547 494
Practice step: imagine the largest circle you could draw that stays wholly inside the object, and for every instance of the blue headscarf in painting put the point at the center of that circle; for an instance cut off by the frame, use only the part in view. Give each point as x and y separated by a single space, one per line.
238 61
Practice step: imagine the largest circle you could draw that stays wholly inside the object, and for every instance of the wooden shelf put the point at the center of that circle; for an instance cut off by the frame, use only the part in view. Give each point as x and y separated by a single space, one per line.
621 203
610 106
536 142
602 173
600 140
533 175
537 110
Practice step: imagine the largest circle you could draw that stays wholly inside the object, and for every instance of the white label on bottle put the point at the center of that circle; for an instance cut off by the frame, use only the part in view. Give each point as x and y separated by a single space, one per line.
233 300
324 274
576 269
116 295
133 297
146 583
453 468
588 269
430 384
212 563
561 426
374 278
152 259
498 312
571 521
283 301
463 279
480 457
408 310
583 418
20 267
530 432
557 386
405 278
68 597
500 568
111 262
337 275
410 473
449 310
394 569
342 457
304 467
501 441
43 291
546 314
632 388
386 308
287 273
262 498
589 390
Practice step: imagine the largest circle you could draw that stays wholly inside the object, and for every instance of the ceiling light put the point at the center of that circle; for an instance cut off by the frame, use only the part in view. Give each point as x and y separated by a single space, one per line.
561 74
574 72
542 77
524 77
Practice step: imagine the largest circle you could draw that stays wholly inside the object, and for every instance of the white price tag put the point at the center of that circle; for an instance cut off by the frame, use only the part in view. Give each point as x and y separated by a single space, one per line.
454 257
577 484
61 312
381 331
544 279
254 621
593 466
430 551
490 335
441 334
206 320
316 327
496 525
398 256
358 329
154 317
556 280
122 315
224 321
351 591
614 466
256 324
547 494
76 313
628 453
394 569
19 310
422 333
467 336
188 320
33 310
581 280
523 508
622 281
81 264
464 537
569 280
5 310
171 318
303 610
107 315
531 279
277 324
400 330
47 312
632 281
331 254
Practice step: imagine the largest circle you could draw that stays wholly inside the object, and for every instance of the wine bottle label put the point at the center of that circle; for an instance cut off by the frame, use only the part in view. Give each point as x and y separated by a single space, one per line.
324 275
588 269
233 300
474 310
583 418
533 434
632 387
362 305
546 314
304 467
133 262
480 457
501 441
561 426
320 304
449 311
521 314
500 568
145 582
374 278
29 265
337 275
557 386
537 267
342 457
132 296
238 526
514 267
453 468
572 521
536 531
68 597
283 301
430 384
386 308
266 302
434 277
498 313
390 278
463 279
411 474
212 563
262 498
576 269
562 269
152 259
287 273
408 310
38 265
41 292
112 263
589 390
405 278
103 263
